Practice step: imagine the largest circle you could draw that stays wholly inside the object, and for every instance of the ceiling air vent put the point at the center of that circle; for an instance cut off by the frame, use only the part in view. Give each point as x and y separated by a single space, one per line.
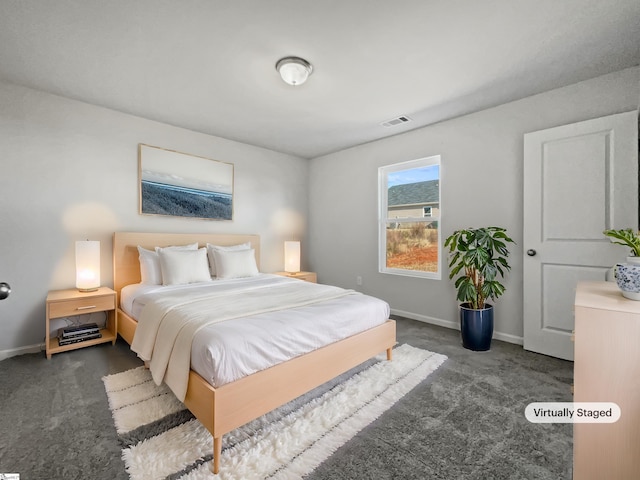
396 121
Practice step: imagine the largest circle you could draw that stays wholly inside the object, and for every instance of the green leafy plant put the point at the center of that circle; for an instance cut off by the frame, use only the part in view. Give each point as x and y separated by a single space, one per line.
626 237
480 254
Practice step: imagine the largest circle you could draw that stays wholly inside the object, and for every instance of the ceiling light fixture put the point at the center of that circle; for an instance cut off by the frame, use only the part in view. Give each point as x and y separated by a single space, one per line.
294 70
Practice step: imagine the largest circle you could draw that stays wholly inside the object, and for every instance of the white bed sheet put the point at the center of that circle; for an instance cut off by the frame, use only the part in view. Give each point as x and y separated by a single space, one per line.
227 351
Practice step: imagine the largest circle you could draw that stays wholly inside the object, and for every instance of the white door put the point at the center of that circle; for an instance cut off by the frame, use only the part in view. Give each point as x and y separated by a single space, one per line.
579 180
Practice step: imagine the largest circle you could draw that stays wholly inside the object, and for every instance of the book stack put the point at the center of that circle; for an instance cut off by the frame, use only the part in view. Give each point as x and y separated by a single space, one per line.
79 333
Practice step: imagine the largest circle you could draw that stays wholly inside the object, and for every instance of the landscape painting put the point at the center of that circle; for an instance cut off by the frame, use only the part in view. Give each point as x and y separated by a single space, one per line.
182 185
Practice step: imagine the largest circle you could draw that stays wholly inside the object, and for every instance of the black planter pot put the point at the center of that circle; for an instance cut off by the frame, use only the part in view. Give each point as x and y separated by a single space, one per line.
476 327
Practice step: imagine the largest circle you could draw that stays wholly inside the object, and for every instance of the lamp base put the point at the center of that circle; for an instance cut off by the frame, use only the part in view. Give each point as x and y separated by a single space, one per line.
84 290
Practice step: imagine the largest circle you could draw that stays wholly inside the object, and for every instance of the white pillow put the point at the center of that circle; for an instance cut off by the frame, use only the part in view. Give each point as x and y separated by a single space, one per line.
188 246
235 263
184 266
229 248
150 272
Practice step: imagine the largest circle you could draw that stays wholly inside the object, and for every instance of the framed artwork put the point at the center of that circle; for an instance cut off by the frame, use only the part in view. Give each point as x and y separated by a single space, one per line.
182 185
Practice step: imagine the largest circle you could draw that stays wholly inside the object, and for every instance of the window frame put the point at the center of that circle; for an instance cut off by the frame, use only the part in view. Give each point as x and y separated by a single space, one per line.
384 219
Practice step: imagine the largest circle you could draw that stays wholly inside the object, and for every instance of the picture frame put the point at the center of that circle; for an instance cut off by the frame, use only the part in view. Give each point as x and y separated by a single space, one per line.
182 185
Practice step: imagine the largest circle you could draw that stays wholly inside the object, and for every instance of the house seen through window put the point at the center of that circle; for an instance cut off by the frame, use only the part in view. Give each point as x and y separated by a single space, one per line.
409 233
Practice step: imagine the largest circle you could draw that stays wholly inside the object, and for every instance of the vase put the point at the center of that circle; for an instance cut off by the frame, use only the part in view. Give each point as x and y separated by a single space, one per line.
628 278
476 327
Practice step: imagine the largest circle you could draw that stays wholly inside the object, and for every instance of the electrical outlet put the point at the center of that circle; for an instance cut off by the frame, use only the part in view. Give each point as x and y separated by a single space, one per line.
359 280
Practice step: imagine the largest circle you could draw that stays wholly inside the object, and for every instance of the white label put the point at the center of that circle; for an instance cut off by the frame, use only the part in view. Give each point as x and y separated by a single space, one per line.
572 412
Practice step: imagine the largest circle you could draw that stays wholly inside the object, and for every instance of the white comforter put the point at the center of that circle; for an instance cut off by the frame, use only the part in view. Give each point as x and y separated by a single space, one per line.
229 329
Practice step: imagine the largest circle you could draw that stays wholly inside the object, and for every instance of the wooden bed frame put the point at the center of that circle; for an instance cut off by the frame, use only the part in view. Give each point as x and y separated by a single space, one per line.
230 406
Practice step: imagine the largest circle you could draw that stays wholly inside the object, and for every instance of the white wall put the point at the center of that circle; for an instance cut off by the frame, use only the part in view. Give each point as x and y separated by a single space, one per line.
482 157
69 171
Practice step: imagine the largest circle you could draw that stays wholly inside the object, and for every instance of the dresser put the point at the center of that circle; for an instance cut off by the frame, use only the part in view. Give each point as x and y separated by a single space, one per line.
607 369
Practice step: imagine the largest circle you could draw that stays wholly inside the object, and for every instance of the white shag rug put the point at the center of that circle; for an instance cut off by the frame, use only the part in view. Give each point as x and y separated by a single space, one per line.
163 440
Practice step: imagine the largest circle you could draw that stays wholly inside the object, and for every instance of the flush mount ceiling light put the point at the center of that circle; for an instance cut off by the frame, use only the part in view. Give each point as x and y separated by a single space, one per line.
294 70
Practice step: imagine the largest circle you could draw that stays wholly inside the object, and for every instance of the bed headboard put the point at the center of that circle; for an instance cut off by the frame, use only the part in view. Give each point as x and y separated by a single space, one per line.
126 266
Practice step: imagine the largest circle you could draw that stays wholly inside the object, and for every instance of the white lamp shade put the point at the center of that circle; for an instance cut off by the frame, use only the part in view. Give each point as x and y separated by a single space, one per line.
292 257
87 265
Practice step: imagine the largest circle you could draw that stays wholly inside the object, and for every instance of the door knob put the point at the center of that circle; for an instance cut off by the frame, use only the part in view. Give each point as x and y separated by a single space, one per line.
5 290
531 252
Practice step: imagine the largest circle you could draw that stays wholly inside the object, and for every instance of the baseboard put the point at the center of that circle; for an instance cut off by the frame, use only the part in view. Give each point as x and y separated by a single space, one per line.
426 319
505 337
39 347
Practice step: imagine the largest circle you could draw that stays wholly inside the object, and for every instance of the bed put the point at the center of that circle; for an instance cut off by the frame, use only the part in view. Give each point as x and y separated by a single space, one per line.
228 406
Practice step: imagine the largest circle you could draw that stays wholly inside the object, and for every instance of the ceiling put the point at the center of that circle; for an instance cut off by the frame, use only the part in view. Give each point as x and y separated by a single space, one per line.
209 65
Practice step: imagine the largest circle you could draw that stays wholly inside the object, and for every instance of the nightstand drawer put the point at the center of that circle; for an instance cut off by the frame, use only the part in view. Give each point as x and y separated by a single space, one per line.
78 306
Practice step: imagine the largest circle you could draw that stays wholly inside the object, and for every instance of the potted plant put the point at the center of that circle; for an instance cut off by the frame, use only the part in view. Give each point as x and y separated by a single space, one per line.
479 255
627 274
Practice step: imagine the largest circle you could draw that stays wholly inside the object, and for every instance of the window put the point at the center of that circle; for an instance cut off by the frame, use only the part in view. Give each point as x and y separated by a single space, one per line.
409 216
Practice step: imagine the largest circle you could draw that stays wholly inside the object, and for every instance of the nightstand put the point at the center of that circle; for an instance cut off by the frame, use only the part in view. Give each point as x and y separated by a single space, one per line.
307 276
65 303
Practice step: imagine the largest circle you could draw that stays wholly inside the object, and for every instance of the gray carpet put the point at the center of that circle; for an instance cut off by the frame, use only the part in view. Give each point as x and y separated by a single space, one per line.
466 421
